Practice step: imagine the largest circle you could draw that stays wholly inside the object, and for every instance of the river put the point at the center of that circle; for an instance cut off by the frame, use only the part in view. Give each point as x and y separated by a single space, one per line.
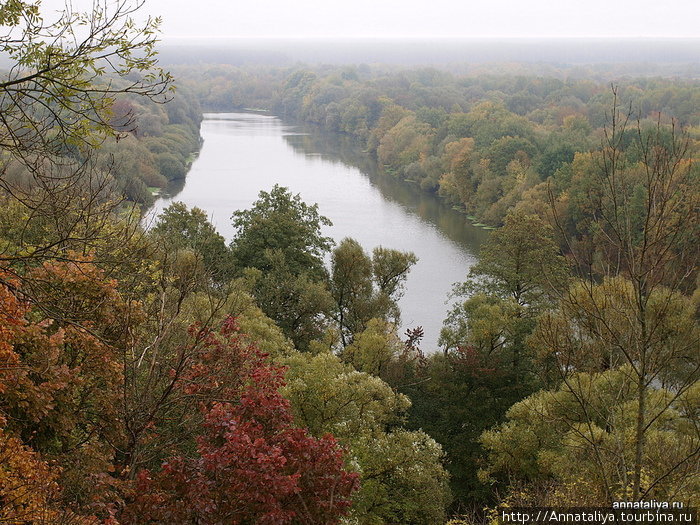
245 153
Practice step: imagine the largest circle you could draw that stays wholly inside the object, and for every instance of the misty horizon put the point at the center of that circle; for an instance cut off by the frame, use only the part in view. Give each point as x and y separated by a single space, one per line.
432 51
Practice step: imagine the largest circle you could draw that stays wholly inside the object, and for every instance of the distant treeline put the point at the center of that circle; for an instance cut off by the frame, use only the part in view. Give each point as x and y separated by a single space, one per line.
484 142
677 57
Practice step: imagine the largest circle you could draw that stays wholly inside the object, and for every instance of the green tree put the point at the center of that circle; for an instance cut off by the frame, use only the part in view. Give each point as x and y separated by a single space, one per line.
390 269
281 221
457 182
574 445
456 396
298 304
402 479
365 288
486 360
622 342
375 349
639 238
518 273
351 287
521 261
404 143
596 333
489 324
280 237
180 229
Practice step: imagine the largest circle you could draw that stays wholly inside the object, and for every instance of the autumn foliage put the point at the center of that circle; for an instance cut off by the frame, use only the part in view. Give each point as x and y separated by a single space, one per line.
251 464
28 483
62 434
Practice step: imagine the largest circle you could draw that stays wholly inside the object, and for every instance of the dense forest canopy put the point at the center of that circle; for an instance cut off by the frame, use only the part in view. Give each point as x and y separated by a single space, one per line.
485 142
163 375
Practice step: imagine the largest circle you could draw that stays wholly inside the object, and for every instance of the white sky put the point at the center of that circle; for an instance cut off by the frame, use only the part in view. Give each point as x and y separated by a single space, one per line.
423 18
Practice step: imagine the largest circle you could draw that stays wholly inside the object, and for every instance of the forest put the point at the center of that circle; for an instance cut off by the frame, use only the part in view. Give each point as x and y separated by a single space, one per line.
487 143
165 375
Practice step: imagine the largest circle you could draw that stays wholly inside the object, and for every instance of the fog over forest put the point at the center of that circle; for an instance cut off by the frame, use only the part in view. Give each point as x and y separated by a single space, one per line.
651 55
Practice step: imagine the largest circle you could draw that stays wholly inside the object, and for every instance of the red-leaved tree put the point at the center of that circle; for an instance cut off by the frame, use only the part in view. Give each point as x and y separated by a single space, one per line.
252 465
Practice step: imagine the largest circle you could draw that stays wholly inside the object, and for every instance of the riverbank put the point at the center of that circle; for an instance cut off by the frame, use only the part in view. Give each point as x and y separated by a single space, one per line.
245 153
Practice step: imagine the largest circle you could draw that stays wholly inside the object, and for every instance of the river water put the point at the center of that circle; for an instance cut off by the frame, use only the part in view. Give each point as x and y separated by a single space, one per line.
245 153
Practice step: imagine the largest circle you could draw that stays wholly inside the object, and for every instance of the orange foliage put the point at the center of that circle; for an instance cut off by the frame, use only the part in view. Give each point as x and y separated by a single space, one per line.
60 380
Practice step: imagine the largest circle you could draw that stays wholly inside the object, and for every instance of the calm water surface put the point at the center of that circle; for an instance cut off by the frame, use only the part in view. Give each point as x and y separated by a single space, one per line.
245 153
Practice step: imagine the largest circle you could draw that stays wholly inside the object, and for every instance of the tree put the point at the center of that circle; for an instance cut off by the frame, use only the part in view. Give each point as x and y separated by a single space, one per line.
180 228
621 344
404 143
28 487
60 379
351 287
365 288
639 238
61 86
457 182
281 221
520 261
486 358
390 269
597 337
298 304
375 349
252 464
402 478
56 106
518 273
574 445
72 207
280 239
455 397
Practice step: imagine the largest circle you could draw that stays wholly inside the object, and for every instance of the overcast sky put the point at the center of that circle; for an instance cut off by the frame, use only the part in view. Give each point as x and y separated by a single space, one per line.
423 18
